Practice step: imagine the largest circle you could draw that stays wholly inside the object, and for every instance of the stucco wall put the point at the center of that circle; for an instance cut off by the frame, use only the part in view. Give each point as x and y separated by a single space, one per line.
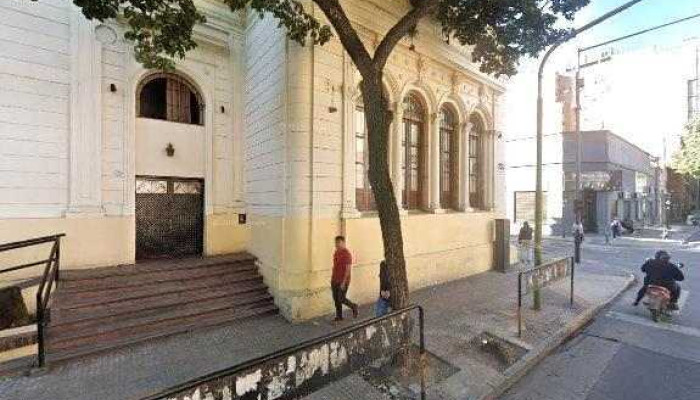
300 161
34 108
189 142
69 140
439 248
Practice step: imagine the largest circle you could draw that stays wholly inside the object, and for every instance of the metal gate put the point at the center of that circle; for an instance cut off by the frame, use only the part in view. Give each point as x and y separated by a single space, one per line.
169 217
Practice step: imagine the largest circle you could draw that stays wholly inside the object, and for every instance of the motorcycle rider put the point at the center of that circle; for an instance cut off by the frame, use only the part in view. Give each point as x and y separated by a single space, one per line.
660 271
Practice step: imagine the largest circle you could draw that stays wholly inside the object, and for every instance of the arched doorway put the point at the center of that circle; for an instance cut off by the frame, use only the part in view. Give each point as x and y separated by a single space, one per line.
170 154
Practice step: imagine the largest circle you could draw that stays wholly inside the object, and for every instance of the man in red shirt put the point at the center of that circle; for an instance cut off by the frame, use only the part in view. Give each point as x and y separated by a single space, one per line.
340 280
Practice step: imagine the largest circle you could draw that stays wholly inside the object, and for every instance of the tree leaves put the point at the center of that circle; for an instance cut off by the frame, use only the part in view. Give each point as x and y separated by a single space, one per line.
503 31
160 29
687 159
292 15
500 32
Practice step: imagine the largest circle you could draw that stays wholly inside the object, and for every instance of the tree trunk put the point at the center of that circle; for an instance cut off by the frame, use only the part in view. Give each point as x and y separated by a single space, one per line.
378 119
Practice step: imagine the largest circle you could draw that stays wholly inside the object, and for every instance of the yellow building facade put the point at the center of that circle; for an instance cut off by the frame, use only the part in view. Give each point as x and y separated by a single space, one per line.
262 138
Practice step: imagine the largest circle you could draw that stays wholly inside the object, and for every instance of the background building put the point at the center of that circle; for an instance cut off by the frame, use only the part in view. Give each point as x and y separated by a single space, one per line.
618 179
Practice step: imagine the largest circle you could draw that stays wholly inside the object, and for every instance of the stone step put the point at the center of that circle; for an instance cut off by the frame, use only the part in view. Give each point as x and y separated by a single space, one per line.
152 278
101 309
113 324
234 260
65 300
129 306
101 343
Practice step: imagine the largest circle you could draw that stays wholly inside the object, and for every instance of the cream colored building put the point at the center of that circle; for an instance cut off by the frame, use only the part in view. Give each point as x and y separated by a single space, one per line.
269 135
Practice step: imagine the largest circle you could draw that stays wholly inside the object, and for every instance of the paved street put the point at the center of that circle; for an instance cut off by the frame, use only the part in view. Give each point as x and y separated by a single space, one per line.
622 354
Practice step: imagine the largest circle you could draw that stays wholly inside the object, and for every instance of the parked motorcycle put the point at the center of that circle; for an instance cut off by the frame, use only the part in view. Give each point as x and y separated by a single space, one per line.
657 299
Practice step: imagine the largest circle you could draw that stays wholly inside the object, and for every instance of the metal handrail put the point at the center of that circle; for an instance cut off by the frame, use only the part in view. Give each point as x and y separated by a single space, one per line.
293 349
48 278
572 272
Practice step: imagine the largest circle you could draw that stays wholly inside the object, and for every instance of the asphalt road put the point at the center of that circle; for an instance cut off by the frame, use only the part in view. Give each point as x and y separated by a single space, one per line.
622 354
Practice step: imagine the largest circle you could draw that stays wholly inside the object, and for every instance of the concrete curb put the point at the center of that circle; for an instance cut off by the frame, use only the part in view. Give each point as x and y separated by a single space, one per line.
516 372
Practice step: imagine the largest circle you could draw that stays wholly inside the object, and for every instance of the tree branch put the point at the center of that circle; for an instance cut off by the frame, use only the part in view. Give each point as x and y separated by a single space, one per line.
347 34
401 29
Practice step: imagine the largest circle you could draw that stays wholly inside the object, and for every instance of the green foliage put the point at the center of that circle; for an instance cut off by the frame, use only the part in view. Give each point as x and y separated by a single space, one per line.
291 14
500 31
687 159
503 31
160 29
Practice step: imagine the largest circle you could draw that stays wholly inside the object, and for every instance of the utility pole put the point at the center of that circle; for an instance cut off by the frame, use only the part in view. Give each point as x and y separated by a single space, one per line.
540 73
696 112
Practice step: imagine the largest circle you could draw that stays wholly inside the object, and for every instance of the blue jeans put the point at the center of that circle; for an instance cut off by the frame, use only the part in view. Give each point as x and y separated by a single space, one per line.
382 307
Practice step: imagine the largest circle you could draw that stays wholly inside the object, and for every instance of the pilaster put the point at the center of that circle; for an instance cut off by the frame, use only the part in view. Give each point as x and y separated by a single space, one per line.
434 158
236 43
464 130
85 141
397 158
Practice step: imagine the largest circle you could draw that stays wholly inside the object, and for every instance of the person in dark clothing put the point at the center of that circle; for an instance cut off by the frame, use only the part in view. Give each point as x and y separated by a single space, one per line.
525 244
660 271
340 279
383 303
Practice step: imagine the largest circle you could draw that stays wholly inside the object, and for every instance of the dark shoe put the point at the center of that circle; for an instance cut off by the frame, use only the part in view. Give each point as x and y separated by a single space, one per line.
636 303
673 307
355 313
337 320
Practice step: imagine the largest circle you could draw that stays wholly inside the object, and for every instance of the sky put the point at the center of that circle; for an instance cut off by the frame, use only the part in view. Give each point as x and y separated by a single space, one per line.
639 94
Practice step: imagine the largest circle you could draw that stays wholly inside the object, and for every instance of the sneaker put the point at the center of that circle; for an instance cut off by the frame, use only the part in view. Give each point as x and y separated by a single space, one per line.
355 313
636 303
673 307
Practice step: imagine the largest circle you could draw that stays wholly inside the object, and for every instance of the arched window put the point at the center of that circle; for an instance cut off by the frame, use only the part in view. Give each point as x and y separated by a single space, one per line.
170 97
476 136
364 198
449 159
413 162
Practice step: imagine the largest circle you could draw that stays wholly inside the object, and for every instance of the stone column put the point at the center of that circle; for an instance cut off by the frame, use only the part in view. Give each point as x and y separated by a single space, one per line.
434 170
85 149
397 153
464 130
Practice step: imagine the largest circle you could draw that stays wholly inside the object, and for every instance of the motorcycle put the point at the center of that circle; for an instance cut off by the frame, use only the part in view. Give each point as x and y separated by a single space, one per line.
657 299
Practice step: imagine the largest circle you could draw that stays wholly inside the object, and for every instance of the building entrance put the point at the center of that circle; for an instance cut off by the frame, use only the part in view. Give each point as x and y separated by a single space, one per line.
169 217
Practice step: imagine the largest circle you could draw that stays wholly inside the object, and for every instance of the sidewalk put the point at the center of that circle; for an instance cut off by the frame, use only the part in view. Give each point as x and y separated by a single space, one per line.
456 313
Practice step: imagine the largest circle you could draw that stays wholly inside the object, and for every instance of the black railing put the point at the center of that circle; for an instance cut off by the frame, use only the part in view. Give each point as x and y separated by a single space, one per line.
50 276
540 276
175 391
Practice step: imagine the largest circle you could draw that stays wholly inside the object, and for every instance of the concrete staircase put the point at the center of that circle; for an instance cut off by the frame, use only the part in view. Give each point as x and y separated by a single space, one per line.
107 308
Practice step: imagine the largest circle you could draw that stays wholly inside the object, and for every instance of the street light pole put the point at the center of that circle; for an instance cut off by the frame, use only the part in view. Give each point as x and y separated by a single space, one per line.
579 152
538 185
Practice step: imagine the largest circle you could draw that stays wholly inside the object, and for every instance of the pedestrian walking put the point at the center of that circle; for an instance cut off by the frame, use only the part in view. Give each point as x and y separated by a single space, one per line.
525 244
577 231
616 227
383 305
340 279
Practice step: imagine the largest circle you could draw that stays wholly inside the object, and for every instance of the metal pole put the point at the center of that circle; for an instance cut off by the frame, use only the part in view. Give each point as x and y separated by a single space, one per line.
421 328
520 304
538 185
573 267
696 112
577 210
